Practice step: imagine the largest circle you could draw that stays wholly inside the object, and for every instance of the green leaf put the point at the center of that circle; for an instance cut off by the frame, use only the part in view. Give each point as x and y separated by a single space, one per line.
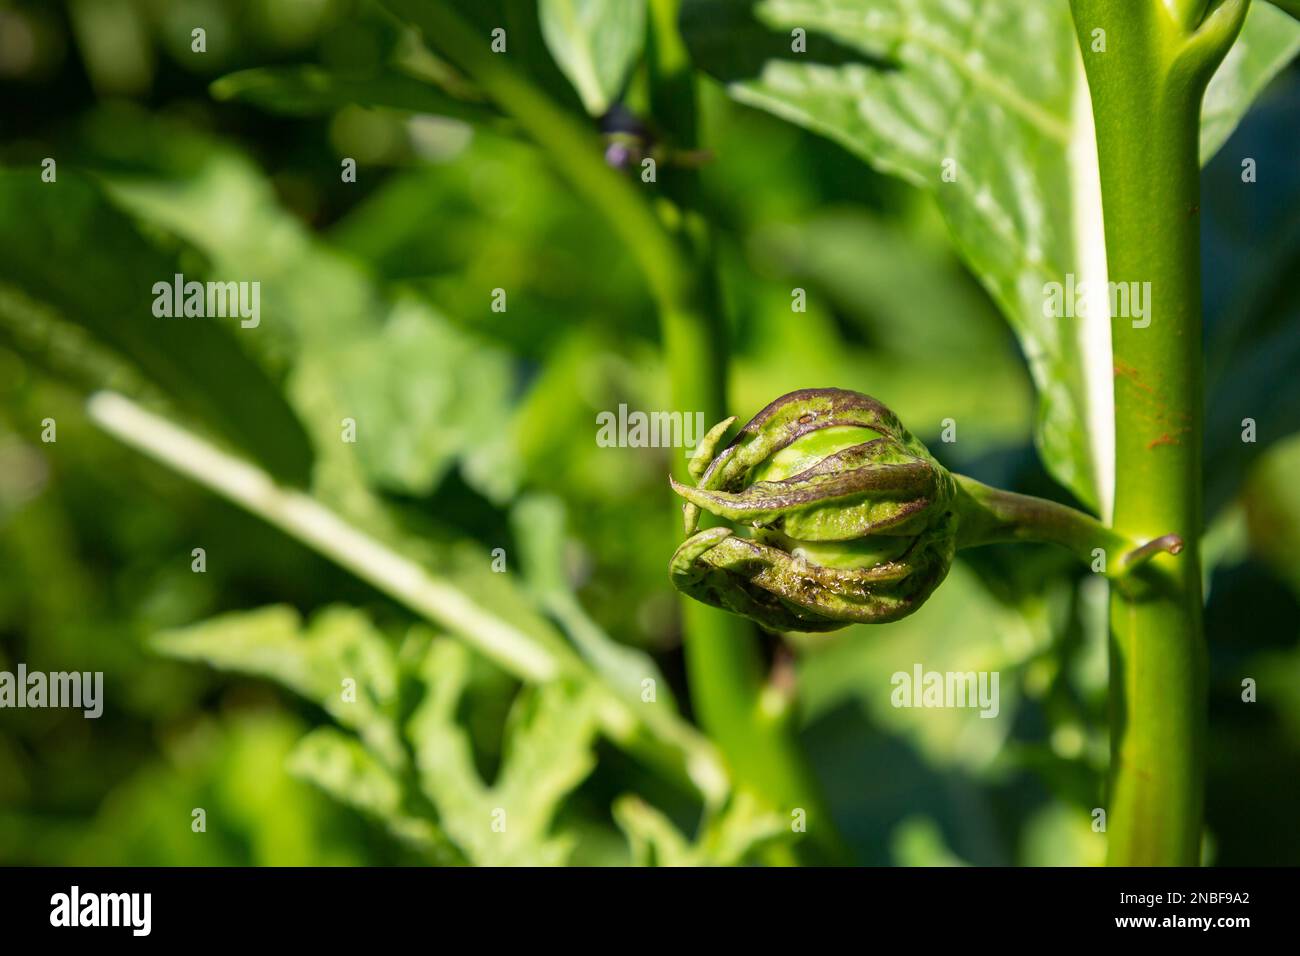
1057 834
904 291
57 260
538 522
595 43
1272 498
1251 235
524 45
255 816
423 394
1290 6
960 629
1268 42
994 96
339 662
665 738
547 753
429 395
654 840
918 841
343 768
727 838
310 90
459 228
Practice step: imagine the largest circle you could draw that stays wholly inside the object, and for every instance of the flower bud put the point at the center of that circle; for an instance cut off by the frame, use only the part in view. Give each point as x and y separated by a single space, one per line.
848 518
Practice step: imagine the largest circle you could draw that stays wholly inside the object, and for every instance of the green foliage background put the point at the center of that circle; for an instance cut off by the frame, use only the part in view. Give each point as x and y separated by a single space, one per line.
476 431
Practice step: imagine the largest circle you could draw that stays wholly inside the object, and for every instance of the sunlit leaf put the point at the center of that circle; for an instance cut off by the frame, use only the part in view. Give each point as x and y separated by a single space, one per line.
343 768
731 837
548 752
985 105
595 43
339 662
421 394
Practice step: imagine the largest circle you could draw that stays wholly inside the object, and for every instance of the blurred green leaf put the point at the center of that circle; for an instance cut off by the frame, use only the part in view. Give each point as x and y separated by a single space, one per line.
423 394
233 769
911 297
1061 835
993 96
595 43
729 838
920 313
547 753
338 764
338 662
918 841
519 21
461 228
413 419
655 841
960 629
310 90
539 528
1252 304
1268 42
58 259
1272 510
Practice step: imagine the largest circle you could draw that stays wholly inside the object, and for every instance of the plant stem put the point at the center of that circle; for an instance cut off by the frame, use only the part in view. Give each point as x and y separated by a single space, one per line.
991 515
1146 95
573 148
723 660
722 654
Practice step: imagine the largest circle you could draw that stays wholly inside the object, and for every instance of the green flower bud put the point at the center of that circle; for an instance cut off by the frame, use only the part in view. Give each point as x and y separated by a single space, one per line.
849 519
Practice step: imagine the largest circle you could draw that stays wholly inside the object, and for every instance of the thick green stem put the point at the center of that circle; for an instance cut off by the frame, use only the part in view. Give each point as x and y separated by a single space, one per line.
1146 90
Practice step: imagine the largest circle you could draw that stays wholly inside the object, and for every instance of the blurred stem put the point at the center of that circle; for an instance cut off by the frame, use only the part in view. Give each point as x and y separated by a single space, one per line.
574 149
729 688
1146 97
